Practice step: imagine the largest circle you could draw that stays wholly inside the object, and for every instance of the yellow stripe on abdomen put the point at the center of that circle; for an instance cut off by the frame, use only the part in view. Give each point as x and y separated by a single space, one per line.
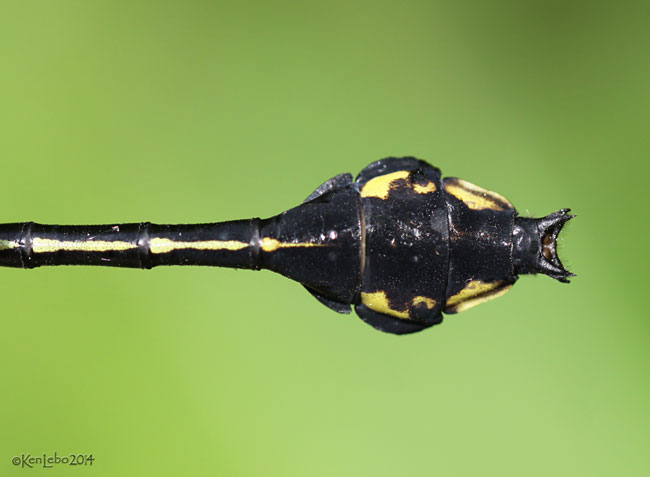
381 186
475 293
43 245
476 197
8 245
271 244
165 245
378 302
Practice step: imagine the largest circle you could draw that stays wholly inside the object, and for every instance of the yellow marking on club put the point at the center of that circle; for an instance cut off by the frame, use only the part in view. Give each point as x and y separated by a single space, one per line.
380 186
475 293
165 245
43 245
429 302
482 299
378 301
425 189
8 245
476 197
271 244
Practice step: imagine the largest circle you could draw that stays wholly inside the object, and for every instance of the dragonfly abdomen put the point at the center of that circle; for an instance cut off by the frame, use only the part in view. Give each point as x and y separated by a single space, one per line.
400 243
145 245
317 243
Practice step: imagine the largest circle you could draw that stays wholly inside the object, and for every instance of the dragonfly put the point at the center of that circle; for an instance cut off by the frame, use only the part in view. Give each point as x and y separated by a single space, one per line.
399 243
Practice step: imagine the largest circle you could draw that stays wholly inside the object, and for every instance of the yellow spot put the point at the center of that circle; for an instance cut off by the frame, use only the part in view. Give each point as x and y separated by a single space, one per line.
43 245
7 245
475 293
378 302
380 186
425 189
476 197
429 302
271 244
165 245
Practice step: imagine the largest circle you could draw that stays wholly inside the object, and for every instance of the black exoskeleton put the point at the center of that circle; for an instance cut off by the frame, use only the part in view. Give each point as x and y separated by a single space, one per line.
399 243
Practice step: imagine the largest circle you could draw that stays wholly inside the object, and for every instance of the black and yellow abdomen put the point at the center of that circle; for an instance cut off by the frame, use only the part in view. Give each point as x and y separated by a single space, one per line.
399 243
406 245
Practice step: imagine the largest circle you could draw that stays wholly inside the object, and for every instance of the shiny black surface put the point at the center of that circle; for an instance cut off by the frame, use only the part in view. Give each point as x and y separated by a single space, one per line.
397 249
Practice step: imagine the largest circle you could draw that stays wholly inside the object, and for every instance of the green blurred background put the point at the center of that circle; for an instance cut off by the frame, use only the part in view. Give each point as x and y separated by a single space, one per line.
202 111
